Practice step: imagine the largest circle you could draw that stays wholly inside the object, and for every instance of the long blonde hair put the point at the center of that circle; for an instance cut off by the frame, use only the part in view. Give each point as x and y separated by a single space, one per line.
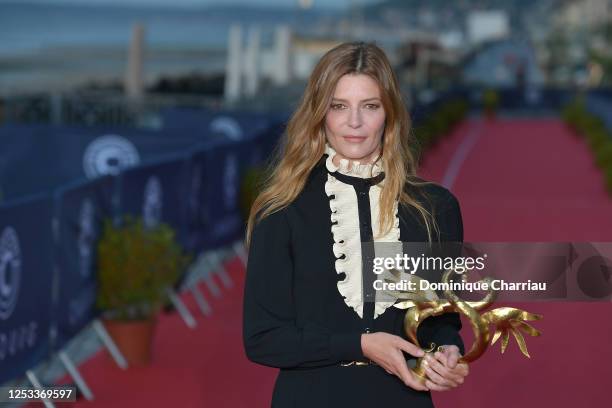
304 139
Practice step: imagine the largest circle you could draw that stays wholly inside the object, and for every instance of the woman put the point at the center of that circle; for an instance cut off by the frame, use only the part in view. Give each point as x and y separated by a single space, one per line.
346 175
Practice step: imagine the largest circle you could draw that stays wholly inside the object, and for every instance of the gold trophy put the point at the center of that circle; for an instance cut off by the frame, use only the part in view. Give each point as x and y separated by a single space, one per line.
506 320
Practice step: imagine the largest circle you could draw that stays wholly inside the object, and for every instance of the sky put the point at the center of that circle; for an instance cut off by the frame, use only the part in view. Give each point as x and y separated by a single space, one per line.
187 3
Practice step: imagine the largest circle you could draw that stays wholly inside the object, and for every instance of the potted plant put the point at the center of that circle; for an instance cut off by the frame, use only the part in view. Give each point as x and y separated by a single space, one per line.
490 102
440 123
135 266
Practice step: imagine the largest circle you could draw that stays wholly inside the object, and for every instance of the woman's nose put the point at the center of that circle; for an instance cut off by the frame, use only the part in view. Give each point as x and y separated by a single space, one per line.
354 118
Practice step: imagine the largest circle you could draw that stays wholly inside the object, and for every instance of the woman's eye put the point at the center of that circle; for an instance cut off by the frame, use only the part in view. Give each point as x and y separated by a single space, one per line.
340 106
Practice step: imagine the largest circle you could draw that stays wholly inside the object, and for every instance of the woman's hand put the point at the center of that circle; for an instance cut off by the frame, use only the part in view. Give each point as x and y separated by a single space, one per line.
443 372
385 349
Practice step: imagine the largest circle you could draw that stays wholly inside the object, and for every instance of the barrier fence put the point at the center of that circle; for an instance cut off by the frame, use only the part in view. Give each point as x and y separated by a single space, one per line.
48 240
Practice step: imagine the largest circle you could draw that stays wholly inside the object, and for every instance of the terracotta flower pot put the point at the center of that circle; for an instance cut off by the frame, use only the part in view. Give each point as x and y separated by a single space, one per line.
134 338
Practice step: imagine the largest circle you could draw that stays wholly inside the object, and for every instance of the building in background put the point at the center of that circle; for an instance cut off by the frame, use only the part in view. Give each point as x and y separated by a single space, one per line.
487 25
583 14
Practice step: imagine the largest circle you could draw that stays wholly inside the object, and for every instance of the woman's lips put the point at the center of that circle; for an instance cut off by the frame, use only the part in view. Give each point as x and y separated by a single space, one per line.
354 139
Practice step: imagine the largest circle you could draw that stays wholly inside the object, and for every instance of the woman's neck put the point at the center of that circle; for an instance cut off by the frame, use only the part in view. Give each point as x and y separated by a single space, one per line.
352 167
365 160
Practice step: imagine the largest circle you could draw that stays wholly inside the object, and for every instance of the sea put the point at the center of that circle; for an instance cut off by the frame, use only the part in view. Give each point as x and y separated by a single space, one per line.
49 46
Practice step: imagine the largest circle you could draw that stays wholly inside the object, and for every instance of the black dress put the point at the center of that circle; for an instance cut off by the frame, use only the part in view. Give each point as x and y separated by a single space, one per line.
295 317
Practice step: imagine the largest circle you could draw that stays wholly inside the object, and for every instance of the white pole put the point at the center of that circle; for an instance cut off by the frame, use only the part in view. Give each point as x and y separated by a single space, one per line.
134 81
283 55
180 307
36 383
109 343
233 68
76 375
251 65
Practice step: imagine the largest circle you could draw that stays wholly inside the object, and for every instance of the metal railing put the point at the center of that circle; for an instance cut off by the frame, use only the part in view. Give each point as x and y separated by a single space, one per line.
96 108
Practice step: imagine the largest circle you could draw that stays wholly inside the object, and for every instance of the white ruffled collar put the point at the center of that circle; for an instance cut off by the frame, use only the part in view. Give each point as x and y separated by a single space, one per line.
344 214
351 167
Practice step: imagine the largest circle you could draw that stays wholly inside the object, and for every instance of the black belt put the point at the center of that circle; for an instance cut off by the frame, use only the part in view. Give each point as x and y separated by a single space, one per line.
357 363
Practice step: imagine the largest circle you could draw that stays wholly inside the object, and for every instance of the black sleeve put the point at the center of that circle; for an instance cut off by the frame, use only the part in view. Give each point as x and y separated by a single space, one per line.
270 333
444 329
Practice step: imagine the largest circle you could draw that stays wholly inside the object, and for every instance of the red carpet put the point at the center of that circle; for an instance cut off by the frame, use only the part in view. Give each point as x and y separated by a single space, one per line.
204 367
520 180
533 180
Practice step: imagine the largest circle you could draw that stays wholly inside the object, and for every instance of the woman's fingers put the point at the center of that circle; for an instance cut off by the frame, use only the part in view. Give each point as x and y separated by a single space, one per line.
403 372
386 350
435 387
445 372
449 356
460 369
439 379
406 375
452 354
409 348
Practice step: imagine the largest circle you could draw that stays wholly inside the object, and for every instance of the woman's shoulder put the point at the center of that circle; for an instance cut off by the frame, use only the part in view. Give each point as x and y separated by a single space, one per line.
441 203
314 184
318 171
430 193
270 224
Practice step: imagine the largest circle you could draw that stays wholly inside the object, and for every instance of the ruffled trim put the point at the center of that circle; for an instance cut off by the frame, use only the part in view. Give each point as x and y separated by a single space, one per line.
347 241
346 233
351 167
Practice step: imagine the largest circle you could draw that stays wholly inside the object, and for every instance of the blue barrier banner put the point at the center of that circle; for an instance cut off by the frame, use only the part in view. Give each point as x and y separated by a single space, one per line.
81 210
39 158
214 213
26 277
221 125
157 193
